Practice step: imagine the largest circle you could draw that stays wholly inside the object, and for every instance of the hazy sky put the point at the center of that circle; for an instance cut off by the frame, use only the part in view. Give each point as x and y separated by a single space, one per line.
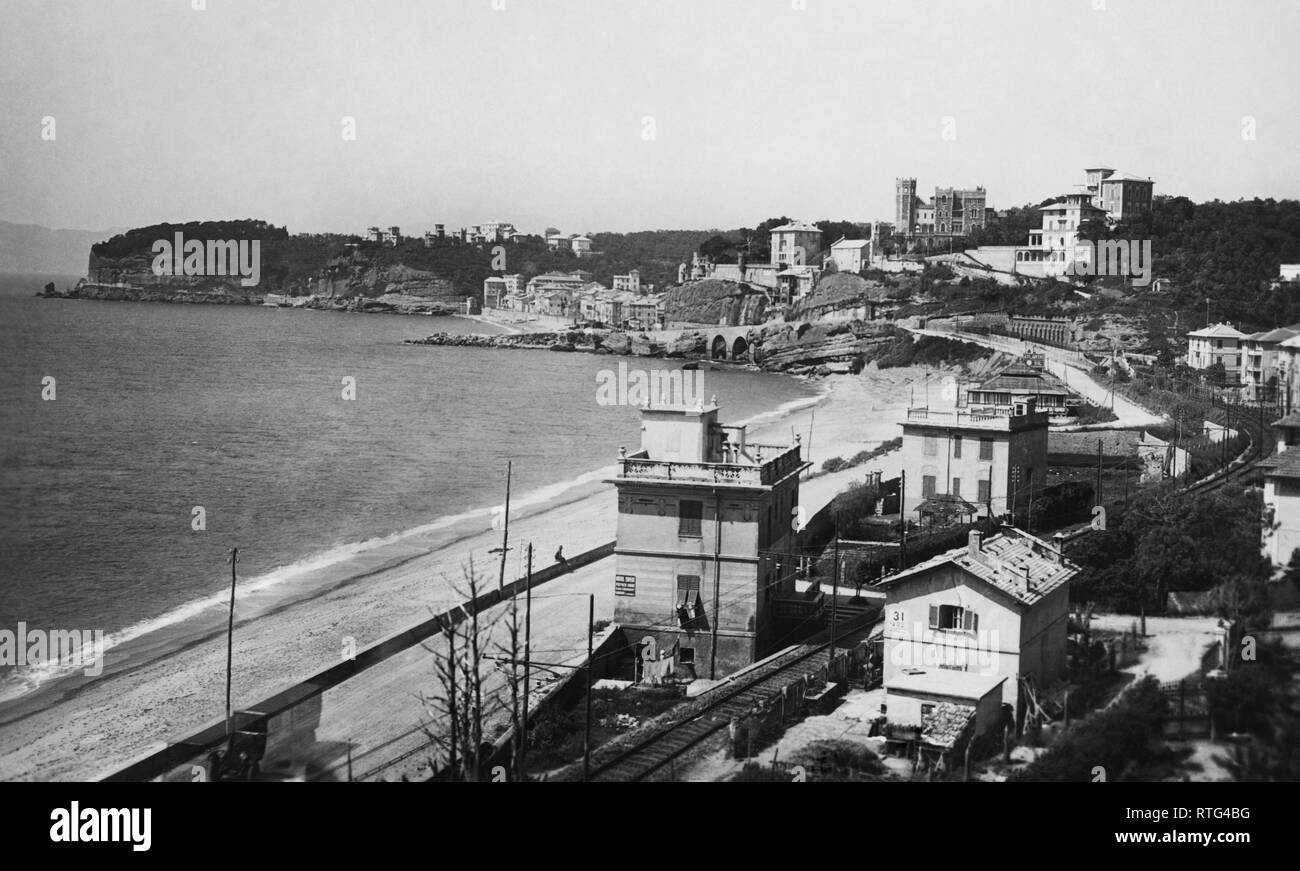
536 113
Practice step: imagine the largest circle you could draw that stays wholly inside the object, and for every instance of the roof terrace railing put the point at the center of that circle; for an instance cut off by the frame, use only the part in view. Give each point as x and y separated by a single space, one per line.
774 462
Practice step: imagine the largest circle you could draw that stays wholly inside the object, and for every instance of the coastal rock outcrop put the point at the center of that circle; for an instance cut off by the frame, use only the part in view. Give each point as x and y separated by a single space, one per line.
715 301
805 346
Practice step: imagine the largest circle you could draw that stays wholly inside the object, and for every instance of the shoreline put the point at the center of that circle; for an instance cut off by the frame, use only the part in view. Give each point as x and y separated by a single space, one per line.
382 590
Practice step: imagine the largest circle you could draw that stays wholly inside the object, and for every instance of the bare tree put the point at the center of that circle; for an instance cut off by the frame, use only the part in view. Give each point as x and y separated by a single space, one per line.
510 651
458 711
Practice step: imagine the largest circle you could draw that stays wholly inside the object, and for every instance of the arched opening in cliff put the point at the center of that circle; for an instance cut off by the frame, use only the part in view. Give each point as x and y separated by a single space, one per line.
739 348
718 349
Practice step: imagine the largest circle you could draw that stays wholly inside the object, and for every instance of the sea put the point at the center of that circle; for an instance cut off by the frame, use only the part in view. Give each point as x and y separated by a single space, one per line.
141 442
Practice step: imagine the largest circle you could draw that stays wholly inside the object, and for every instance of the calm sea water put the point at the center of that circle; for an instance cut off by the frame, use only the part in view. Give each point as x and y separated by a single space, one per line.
162 408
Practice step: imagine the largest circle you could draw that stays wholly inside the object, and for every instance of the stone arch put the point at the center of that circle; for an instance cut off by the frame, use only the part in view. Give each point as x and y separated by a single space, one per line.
739 348
718 347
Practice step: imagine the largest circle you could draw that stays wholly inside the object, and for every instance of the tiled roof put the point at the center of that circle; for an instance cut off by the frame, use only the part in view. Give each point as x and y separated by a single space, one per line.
946 502
1219 330
1281 334
946 723
1004 559
1020 377
1283 465
803 226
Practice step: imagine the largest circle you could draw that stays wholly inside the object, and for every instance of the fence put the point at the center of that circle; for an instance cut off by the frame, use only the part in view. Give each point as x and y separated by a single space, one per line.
766 721
304 724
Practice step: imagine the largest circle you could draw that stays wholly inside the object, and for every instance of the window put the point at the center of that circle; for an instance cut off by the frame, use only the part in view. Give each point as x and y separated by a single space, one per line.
986 449
953 618
690 517
984 493
931 446
927 486
689 607
956 447
686 656
687 584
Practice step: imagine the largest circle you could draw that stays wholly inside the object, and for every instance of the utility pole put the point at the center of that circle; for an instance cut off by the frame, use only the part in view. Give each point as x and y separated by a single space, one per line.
902 519
586 738
451 698
505 534
528 640
717 582
1015 490
988 504
1098 471
1029 521
230 632
835 588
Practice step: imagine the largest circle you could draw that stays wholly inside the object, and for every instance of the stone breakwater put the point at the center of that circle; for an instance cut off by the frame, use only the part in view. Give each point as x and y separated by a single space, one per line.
209 292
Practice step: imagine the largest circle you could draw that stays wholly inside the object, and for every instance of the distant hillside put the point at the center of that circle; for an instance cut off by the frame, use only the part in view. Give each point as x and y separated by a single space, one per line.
347 272
28 248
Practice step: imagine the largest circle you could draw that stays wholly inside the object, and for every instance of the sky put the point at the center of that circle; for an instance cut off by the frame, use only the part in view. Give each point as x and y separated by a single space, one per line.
620 115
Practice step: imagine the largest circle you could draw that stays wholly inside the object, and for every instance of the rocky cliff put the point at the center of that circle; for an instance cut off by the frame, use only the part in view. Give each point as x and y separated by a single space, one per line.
715 301
818 348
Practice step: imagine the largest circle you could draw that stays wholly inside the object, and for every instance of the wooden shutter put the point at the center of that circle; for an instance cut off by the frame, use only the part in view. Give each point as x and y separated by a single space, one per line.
934 616
974 622
966 620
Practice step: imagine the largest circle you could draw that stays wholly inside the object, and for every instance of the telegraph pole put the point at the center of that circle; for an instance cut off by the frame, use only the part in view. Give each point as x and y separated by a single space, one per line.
528 640
586 739
1098 471
505 534
451 697
835 587
902 519
230 632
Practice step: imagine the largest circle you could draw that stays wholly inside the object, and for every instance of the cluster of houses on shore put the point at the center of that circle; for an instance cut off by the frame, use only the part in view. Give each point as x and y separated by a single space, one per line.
575 298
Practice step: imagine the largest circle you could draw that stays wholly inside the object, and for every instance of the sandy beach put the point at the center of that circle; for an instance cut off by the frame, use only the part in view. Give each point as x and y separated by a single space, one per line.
110 721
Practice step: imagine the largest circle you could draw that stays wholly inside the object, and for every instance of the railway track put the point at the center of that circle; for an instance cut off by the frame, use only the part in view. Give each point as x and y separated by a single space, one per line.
661 748
1255 426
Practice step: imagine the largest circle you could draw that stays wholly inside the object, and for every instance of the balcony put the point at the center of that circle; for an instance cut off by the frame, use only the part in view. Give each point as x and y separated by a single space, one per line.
979 419
771 464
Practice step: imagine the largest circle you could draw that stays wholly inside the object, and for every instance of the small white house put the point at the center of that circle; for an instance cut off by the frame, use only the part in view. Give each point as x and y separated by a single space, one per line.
850 255
993 614
1221 343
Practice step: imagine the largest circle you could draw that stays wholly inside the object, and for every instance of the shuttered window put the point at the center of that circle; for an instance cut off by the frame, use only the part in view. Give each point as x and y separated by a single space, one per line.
690 518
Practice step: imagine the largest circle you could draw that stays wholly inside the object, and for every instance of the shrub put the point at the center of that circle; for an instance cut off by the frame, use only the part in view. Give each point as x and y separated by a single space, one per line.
834 464
1112 739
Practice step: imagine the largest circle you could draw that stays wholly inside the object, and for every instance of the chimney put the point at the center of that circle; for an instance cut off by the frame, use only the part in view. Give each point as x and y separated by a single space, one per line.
973 545
1029 583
